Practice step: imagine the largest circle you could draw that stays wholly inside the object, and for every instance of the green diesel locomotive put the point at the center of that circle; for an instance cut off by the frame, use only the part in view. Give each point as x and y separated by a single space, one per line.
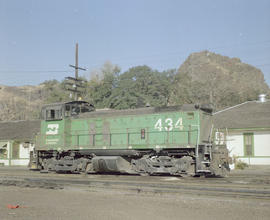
74 137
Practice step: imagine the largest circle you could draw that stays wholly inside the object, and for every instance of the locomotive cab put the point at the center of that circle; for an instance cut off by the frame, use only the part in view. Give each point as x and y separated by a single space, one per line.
59 111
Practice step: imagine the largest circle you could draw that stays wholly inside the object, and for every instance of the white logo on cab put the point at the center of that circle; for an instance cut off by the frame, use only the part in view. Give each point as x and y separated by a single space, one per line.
52 129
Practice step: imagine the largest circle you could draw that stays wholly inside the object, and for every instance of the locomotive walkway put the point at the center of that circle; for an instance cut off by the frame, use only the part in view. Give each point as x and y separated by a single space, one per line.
252 183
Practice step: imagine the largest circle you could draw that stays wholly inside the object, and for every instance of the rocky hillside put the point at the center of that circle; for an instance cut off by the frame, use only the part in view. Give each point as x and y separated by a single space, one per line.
20 103
208 77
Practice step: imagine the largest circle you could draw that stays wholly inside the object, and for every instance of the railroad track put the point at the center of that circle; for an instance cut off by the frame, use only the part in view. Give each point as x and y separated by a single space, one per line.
234 181
137 184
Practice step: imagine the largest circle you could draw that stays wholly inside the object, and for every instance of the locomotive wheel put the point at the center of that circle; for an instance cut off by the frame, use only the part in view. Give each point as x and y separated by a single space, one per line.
89 168
144 174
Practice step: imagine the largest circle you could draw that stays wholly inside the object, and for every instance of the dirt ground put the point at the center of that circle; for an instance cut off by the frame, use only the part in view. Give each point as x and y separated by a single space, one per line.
92 203
76 204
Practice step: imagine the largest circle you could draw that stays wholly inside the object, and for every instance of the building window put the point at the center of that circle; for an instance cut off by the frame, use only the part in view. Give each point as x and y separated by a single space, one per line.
248 144
190 115
3 150
15 150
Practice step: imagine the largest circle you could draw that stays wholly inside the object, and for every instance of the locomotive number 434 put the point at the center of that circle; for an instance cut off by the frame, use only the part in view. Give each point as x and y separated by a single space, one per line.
169 124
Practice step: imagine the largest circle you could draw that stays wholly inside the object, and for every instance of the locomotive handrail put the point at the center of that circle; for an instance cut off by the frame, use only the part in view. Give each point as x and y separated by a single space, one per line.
138 133
134 132
150 128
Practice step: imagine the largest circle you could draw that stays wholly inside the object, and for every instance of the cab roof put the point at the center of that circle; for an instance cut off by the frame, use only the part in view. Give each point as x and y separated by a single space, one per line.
146 110
64 103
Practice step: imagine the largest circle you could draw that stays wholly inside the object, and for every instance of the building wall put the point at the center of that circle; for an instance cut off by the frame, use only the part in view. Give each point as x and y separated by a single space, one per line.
262 143
23 154
261 156
6 160
19 162
256 160
235 143
24 151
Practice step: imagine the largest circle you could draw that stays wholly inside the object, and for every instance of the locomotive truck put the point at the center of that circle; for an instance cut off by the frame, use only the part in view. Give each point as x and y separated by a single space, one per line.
174 140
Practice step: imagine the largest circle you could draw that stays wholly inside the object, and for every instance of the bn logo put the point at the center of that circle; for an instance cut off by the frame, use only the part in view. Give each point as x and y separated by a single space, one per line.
52 129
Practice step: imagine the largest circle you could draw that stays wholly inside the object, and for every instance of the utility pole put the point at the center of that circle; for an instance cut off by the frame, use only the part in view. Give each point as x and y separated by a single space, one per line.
75 85
76 67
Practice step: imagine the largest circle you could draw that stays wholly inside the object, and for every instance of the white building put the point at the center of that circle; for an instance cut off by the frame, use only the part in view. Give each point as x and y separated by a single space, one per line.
246 130
17 142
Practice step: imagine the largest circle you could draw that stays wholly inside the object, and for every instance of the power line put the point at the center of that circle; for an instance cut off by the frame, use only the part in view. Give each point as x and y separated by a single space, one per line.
198 64
34 71
69 71
157 57
134 59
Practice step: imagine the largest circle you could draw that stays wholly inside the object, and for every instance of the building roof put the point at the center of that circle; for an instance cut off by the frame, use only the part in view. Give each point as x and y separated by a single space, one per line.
19 130
251 114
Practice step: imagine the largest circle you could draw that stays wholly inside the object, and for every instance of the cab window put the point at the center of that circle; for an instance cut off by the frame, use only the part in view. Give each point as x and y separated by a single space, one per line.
53 113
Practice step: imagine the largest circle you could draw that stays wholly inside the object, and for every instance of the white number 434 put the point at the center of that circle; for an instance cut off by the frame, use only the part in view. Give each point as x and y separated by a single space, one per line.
169 125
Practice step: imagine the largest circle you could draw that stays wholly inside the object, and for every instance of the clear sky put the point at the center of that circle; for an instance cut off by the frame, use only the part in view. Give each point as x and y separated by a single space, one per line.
37 38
